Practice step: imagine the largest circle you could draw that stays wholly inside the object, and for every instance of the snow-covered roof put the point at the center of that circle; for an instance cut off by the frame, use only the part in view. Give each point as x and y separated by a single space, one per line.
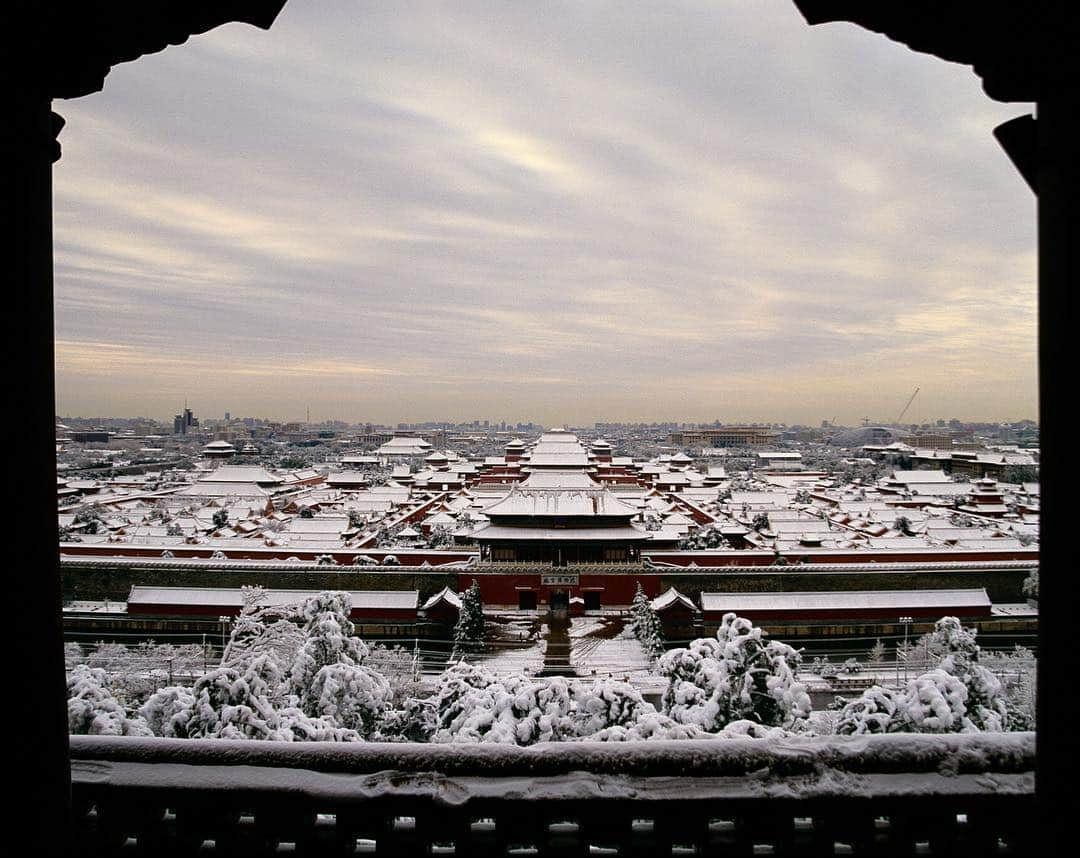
444 595
920 477
227 597
559 502
404 447
846 600
224 489
347 478
556 479
240 474
558 436
672 478
320 524
562 534
560 459
672 597
401 442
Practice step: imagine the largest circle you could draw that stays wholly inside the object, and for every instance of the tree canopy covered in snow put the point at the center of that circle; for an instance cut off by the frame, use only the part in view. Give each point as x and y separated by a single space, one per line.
92 708
646 624
736 676
299 673
958 696
469 631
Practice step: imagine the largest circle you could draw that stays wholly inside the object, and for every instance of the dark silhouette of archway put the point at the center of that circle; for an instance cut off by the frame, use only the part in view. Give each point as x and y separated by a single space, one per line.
64 50
54 50
1025 52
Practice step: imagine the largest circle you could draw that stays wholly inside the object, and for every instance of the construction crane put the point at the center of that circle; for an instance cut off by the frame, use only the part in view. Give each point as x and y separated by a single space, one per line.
903 411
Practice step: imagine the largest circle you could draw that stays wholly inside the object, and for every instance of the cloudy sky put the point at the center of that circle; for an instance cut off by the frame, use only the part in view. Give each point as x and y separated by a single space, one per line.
560 212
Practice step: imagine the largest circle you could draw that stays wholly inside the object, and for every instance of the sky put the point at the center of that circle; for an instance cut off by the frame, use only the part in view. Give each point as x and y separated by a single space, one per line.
563 212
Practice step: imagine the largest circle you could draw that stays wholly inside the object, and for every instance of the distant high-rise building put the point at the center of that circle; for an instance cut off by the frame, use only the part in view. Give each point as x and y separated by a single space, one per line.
228 416
185 421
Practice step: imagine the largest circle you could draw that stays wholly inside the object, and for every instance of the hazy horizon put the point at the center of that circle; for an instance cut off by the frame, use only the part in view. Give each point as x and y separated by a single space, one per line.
577 212
511 422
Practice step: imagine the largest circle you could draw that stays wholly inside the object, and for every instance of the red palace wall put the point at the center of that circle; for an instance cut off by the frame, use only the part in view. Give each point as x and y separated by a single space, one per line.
502 589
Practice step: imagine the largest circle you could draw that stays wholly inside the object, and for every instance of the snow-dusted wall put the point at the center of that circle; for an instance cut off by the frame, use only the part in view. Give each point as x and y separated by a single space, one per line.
1011 754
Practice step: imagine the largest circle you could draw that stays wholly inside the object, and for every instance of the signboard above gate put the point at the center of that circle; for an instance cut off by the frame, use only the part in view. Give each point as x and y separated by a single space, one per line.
558 580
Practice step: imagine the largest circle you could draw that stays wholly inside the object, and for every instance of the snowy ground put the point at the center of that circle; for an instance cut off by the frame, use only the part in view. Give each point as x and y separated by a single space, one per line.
600 645
606 646
515 644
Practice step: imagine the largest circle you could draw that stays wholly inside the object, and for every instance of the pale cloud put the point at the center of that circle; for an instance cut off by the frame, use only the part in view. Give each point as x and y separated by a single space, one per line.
613 212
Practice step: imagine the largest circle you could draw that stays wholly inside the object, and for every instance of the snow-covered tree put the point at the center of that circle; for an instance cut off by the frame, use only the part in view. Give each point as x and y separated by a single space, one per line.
935 702
328 640
902 524
1031 585
469 631
959 695
873 712
985 698
704 538
736 676
168 711
328 678
412 721
400 669
92 708
261 629
295 725
472 705
351 696
1020 700
646 624
603 704
441 535
109 656
231 703
73 655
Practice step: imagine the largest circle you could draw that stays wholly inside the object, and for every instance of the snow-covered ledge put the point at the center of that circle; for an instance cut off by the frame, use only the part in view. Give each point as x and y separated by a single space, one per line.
960 792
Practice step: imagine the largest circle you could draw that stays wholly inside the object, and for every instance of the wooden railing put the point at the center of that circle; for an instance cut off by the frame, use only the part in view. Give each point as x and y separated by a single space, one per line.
880 795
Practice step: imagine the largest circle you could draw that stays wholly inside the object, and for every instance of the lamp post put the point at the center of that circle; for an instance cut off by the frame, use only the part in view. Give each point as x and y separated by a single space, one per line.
224 625
906 621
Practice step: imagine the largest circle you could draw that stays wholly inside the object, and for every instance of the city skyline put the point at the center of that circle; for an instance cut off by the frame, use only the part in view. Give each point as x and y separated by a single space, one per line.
573 217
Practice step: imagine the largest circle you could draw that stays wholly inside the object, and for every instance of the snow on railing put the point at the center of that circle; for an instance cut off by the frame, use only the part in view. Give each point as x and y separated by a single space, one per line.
934 794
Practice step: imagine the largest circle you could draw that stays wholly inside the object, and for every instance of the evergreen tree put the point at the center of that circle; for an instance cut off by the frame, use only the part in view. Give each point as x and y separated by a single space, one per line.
646 624
1030 586
469 631
736 676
